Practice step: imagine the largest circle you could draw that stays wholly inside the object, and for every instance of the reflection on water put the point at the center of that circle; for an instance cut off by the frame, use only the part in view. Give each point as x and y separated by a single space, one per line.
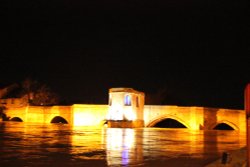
123 146
25 144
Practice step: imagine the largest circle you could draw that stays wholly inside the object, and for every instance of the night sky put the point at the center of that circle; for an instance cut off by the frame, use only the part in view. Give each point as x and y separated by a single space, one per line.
197 51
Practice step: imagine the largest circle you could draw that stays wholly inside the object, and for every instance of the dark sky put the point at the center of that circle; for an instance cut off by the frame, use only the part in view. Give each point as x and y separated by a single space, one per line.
197 50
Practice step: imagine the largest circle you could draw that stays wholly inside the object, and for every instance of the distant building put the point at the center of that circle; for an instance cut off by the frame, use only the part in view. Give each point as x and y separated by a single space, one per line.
14 102
10 99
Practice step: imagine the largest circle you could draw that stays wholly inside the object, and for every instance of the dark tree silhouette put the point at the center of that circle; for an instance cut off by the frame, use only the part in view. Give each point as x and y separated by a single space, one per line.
44 96
2 113
38 94
155 98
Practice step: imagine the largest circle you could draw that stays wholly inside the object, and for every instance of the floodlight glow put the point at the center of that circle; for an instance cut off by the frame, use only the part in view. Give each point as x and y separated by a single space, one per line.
130 115
79 119
118 114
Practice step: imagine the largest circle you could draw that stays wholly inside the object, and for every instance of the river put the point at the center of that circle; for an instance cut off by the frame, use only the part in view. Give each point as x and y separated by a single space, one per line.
30 145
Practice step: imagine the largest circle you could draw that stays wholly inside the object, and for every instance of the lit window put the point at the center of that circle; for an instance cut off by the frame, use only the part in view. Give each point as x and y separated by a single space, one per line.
127 100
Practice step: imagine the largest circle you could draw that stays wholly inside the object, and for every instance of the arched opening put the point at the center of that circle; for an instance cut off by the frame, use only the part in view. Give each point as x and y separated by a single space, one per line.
16 119
58 119
105 124
223 126
169 123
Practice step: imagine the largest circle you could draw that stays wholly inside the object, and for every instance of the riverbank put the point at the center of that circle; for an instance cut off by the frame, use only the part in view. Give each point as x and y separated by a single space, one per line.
237 158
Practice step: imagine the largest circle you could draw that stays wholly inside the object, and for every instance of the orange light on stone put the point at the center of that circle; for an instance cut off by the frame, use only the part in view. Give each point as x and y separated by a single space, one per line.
89 115
130 115
118 113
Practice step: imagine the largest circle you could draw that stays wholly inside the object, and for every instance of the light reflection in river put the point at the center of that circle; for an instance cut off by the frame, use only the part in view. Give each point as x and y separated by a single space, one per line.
24 144
121 146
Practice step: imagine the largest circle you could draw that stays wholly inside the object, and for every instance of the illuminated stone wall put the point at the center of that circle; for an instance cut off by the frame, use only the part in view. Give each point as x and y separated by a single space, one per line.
188 116
125 104
17 112
89 115
125 108
40 114
77 115
234 118
195 117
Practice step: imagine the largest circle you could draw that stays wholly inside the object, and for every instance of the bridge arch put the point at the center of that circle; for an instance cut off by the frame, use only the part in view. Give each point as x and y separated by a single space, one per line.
230 124
153 122
59 119
16 119
104 123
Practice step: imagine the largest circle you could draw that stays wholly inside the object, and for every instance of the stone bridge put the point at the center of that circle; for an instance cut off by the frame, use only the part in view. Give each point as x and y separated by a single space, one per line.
95 115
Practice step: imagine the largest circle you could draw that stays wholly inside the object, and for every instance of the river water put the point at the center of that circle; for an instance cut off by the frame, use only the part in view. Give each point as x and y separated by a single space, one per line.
32 145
